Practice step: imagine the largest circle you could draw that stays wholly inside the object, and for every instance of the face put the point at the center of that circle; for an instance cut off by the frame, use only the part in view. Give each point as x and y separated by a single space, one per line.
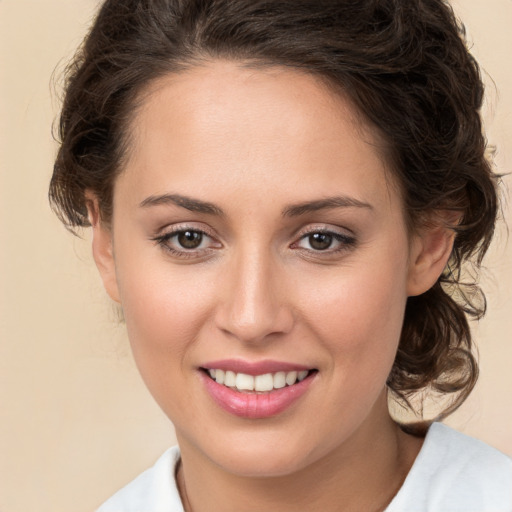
258 238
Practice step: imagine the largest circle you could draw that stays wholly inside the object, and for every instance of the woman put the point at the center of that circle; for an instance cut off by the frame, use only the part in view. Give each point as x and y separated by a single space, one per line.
283 196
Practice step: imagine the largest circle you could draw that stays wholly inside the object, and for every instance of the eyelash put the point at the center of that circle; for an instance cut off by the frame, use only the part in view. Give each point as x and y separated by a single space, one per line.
346 242
165 239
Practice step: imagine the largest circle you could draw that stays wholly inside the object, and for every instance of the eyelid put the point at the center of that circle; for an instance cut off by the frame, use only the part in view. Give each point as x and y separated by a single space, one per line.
347 240
184 226
165 235
324 228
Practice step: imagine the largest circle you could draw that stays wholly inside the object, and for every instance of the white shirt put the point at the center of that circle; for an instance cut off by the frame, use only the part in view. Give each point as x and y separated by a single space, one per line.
456 473
452 473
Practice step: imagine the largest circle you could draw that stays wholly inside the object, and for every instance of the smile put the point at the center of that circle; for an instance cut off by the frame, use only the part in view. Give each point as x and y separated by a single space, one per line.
257 383
256 390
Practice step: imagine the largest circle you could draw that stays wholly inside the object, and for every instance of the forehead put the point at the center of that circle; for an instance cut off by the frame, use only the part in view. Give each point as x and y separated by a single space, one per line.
226 123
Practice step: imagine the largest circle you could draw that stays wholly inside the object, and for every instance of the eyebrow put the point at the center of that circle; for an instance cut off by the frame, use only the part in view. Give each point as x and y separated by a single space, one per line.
294 210
324 204
194 205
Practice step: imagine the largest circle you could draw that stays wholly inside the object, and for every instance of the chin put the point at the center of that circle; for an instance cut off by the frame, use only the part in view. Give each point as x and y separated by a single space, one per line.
265 455
264 465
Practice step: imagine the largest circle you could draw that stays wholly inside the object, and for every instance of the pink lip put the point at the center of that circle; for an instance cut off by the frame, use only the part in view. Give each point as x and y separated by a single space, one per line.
255 405
254 367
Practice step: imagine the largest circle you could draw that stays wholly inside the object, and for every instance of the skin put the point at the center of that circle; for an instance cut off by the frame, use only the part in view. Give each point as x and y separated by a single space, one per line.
253 143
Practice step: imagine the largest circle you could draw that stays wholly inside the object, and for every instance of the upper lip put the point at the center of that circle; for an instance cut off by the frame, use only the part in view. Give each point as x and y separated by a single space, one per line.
254 367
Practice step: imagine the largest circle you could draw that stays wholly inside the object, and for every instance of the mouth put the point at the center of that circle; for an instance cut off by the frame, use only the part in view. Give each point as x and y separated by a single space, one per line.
263 383
256 391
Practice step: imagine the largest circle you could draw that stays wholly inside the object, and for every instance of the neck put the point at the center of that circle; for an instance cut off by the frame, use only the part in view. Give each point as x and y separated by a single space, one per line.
362 474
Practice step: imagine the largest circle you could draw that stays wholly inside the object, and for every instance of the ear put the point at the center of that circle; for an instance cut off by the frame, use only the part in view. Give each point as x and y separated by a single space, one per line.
430 252
102 249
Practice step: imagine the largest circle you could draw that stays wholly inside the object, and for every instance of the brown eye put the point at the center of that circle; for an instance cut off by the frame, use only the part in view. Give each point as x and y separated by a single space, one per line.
320 241
188 243
327 243
189 239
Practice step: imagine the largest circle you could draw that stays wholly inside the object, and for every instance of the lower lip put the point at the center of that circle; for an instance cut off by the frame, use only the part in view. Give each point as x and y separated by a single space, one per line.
256 405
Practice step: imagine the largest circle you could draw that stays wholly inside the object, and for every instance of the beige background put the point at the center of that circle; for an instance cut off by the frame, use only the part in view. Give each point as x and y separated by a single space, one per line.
75 420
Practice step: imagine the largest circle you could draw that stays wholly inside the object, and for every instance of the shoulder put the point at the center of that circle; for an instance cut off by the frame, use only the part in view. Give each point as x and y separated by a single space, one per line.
456 473
154 490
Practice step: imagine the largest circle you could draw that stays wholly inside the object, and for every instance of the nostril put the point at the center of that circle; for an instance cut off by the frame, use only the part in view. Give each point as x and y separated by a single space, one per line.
256 326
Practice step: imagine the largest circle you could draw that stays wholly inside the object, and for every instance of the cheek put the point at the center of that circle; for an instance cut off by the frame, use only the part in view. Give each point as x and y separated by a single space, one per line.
164 313
359 316
164 308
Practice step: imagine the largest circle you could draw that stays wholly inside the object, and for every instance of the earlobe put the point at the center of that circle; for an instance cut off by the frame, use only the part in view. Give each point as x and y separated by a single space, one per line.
430 252
102 249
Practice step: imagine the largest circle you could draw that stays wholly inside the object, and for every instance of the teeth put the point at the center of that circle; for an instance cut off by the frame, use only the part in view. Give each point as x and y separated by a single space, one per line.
264 382
291 377
258 383
302 375
230 379
244 382
219 376
280 380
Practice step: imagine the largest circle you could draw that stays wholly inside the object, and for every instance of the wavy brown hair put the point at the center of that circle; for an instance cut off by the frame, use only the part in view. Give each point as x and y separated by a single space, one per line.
403 64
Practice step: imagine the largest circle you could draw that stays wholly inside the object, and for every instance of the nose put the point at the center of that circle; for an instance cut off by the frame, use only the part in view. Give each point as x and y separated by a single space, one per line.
255 305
